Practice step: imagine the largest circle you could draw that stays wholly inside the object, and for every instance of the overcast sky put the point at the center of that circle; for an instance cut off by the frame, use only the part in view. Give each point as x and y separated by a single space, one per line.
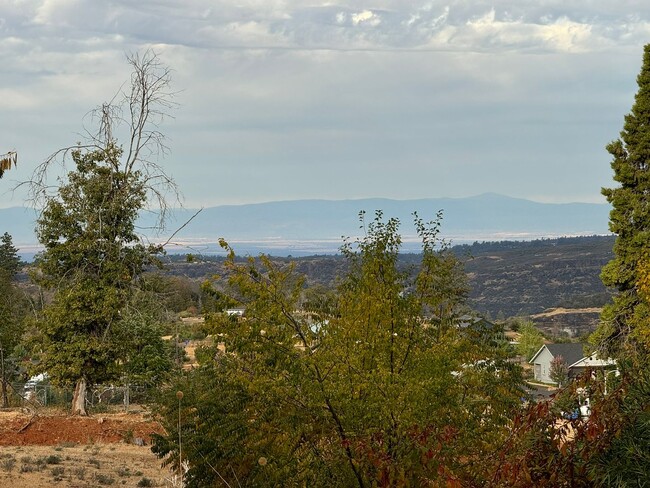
288 99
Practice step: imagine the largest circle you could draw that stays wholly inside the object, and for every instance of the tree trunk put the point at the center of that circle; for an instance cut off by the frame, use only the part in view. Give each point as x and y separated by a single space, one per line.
5 399
79 398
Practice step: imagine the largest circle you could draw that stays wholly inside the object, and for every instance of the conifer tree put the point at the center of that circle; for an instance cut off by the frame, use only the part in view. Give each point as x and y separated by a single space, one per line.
624 323
11 311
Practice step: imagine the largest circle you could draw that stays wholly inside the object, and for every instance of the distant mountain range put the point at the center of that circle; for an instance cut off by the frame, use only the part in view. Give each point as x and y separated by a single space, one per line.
304 227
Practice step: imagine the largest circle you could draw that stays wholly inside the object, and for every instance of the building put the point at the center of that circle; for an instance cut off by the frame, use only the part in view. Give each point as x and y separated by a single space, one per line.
572 353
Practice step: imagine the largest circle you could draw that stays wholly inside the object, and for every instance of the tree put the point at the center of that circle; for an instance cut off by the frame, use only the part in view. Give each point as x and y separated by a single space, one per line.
559 370
11 312
372 387
624 323
9 259
93 257
530 340
611 448
146 359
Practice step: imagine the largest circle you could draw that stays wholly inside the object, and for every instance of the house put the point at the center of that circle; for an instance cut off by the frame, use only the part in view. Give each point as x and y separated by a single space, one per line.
572 353
592 362
235 312
482 330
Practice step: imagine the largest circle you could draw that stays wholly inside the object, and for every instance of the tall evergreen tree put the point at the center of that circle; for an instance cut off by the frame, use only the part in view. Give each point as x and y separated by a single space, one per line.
93 256
625 322
11 308
9 259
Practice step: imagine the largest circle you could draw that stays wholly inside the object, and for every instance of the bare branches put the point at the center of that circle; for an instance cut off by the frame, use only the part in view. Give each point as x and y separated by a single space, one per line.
149 102
140 106
182 226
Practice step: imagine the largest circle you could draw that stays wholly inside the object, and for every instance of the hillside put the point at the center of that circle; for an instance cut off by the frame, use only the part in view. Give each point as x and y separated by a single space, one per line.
525 278
506 278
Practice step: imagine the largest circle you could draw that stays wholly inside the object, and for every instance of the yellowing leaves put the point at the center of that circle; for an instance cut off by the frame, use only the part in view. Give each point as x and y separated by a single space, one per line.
7 161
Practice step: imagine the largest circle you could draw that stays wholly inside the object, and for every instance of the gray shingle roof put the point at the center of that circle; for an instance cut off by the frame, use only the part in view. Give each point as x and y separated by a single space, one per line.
570 352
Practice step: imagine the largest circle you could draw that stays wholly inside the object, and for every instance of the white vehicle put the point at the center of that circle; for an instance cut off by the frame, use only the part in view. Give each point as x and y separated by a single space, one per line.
29 390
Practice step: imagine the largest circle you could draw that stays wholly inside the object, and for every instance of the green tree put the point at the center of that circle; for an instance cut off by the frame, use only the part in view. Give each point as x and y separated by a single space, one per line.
147 359
624 331
611 448
9 259
624 323
12 311
530 339
93 257
374 387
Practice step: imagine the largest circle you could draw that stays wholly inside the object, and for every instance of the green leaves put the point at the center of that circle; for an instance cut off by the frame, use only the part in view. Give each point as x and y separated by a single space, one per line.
370 385
91 261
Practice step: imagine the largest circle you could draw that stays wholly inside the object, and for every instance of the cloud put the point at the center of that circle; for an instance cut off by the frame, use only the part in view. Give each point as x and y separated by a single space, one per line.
340 98
365 17
551 26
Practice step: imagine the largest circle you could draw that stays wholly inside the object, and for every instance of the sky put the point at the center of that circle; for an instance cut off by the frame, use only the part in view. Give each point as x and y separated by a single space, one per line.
288 99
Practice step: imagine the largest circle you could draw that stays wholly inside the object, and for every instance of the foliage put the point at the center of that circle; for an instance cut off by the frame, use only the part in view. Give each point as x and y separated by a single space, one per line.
214 300
7 161
611 447
372 387
176 293
13 308
147 360
607 449
92 255
9 259
625 329
559 370
625 321
530 340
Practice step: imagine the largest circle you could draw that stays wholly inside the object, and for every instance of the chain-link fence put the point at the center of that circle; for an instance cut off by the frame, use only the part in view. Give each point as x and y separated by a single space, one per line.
98 397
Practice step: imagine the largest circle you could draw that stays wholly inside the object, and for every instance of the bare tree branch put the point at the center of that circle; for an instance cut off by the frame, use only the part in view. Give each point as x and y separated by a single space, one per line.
141 105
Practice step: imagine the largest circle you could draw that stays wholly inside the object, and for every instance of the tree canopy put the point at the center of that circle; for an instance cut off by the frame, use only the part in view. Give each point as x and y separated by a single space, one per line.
12 310
376 387
625 322
93 257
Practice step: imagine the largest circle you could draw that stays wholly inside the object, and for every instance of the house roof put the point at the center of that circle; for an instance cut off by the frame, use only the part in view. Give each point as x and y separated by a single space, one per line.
570 352
593 362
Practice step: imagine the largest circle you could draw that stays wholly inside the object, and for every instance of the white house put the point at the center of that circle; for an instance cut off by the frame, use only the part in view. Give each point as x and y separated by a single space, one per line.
592 362
541 361
573 356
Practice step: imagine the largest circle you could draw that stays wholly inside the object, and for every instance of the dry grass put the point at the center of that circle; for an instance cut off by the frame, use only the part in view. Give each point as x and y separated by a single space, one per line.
52 449
81 466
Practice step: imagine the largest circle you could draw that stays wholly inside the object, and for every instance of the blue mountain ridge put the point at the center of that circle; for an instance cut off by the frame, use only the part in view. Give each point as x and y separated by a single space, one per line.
288 225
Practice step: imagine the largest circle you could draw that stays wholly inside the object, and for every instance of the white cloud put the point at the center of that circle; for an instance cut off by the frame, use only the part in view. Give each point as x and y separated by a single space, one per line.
288 87
365 17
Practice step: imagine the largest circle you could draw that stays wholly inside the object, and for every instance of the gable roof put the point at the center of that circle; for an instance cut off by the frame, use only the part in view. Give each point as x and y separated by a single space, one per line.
593 362
570 352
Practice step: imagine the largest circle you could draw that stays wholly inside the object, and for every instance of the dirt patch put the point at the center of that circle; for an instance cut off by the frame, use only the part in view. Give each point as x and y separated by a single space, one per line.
21 429
566 311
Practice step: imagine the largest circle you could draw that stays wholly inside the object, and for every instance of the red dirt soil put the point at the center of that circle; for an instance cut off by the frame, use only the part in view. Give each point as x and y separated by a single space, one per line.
47 430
